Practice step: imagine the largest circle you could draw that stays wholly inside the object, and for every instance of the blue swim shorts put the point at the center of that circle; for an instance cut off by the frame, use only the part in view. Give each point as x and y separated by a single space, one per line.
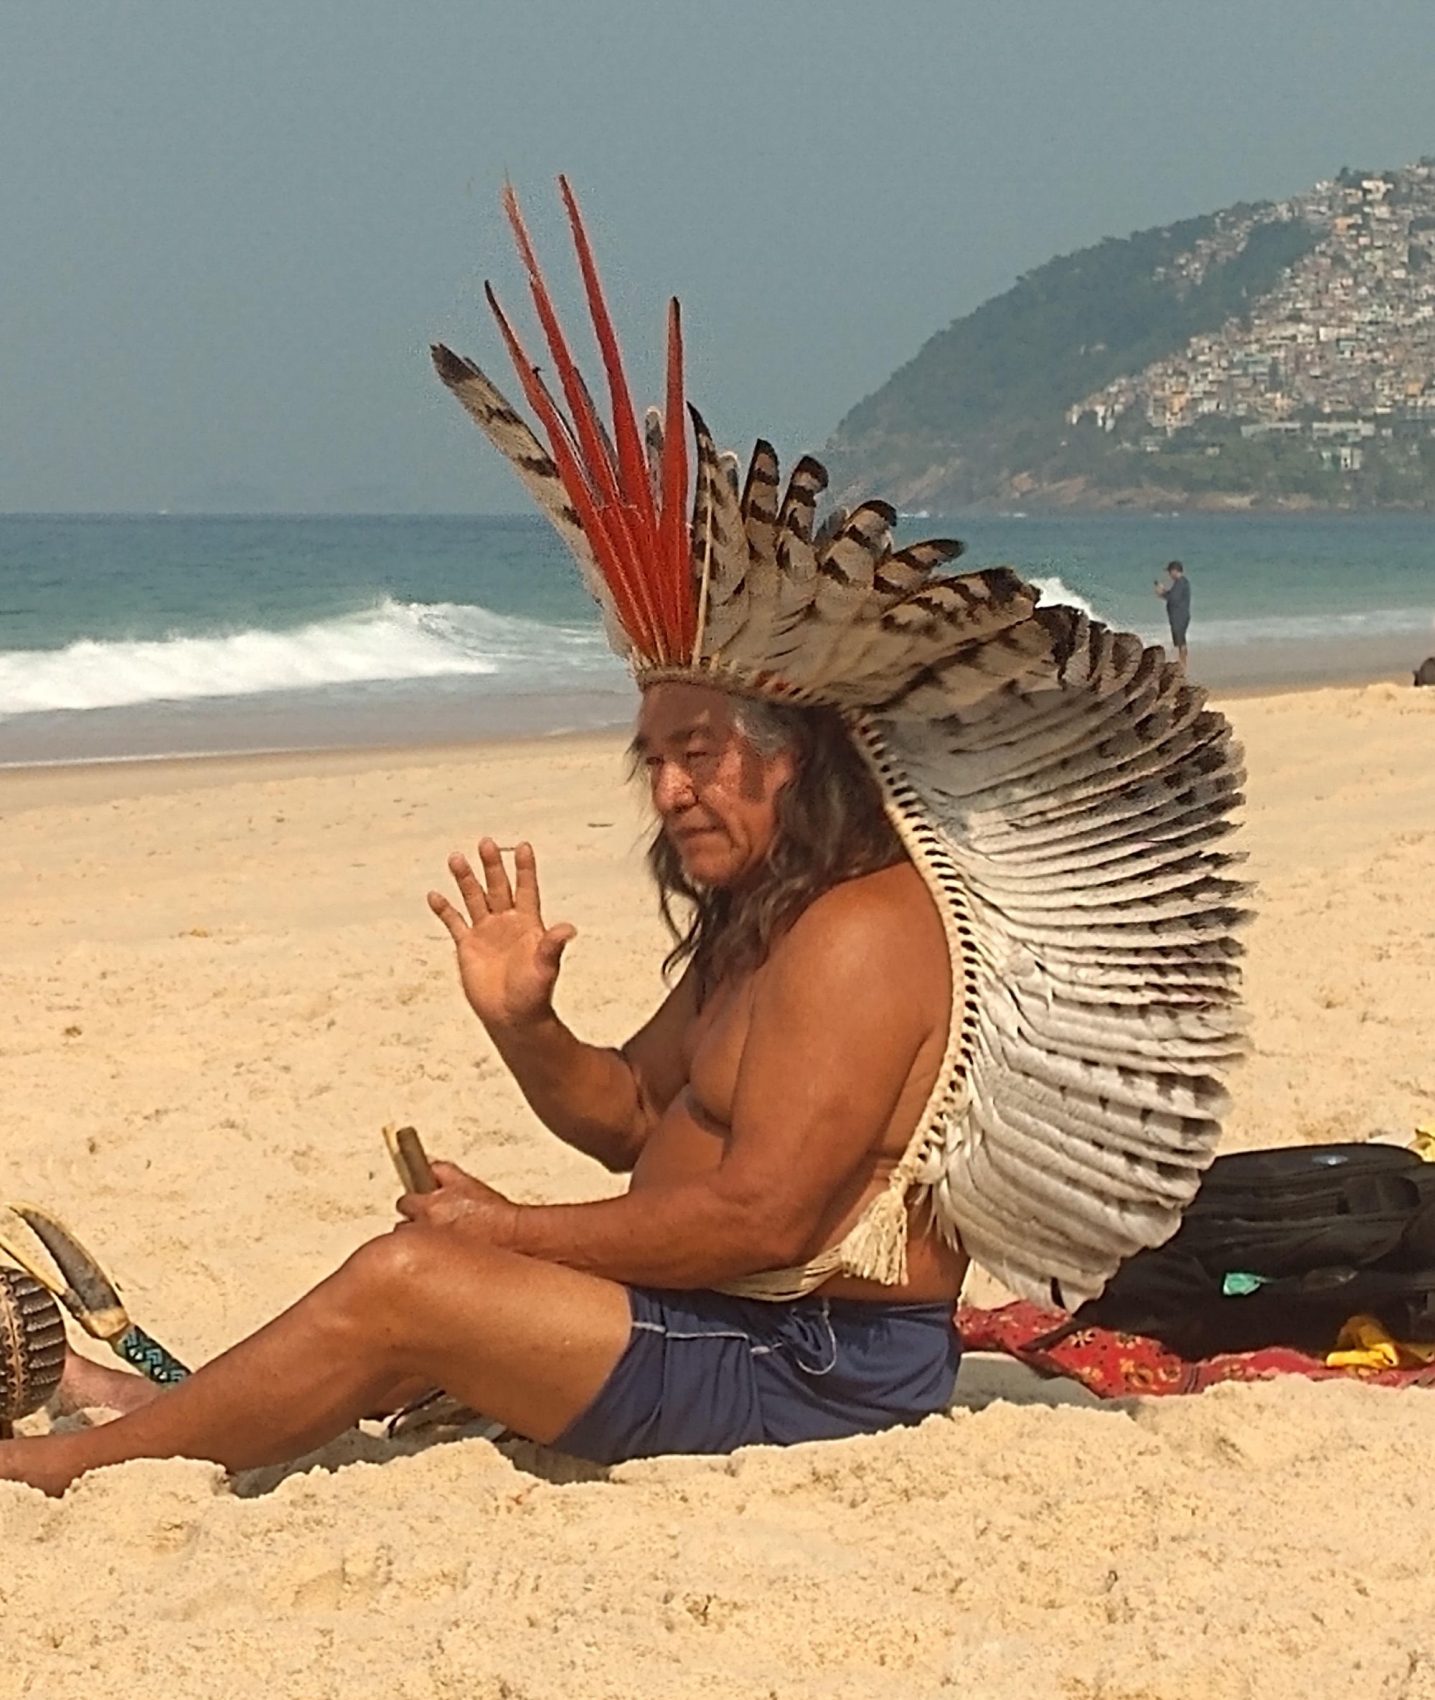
703 1372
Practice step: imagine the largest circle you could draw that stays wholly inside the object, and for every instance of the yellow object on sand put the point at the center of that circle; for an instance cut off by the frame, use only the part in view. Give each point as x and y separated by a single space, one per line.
1364 1343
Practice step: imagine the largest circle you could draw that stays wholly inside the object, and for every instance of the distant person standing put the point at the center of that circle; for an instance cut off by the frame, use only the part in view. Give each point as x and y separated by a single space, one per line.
1176 594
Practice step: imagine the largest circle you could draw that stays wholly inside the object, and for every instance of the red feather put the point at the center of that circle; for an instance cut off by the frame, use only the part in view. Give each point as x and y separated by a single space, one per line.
639 537
632 461
631 604
595 453
602 474
675 553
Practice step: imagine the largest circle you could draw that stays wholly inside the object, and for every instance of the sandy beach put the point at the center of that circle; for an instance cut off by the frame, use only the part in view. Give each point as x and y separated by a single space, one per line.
219 979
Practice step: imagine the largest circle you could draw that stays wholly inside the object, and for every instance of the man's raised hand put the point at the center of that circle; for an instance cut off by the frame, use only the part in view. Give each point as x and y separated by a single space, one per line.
507 959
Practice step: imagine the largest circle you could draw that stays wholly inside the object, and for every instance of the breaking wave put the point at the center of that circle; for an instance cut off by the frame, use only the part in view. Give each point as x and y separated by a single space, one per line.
390 642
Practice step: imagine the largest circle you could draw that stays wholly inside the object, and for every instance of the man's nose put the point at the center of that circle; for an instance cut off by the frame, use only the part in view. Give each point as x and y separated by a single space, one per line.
672 789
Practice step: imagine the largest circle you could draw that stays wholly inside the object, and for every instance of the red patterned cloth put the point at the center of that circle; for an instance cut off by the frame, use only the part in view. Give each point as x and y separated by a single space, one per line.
1115 1365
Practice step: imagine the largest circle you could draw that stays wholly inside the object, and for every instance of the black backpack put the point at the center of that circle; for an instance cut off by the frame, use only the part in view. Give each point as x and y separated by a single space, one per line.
1281 1248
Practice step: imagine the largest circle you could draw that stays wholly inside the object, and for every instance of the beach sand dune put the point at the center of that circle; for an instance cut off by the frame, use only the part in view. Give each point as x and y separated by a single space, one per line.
217 981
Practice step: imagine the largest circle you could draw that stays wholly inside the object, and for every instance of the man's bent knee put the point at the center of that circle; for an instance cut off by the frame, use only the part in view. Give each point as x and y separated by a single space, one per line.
389 1278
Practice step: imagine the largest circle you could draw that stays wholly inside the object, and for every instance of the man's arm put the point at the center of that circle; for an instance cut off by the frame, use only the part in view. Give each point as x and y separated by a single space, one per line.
822 1070
602 1102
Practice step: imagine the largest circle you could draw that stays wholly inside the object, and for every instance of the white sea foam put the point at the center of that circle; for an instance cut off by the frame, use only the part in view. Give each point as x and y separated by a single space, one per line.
393 641
397 641
1056 590
1329 628
1325 637
1316 630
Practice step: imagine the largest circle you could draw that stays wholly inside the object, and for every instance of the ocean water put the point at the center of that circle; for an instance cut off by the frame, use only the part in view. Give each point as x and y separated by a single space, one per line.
130 636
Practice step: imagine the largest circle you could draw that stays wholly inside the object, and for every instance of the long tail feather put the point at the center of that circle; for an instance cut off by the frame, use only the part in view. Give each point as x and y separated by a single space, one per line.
623 527
653 445
719 546
676 561
634 607
601 469
490 410
628 441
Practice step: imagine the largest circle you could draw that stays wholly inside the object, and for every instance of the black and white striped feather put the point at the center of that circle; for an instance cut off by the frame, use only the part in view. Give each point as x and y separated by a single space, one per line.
485 404
1070 798
719 546
1084 818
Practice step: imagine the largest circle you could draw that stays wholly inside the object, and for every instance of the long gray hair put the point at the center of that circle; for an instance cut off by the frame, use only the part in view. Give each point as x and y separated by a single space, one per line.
831 827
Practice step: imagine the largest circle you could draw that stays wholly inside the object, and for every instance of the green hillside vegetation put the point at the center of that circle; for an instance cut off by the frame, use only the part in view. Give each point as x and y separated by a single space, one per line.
987 397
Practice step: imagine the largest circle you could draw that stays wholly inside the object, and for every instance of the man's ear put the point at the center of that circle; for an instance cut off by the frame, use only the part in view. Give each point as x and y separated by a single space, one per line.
791 759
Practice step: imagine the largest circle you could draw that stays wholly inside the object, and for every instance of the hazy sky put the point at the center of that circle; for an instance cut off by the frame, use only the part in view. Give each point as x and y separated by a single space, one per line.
228 232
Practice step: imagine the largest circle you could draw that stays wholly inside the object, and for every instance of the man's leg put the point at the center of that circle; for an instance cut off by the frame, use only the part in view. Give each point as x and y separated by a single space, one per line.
90 1386
529 1344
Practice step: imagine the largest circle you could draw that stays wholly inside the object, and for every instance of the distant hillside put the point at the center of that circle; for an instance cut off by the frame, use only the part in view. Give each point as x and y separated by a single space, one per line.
1279 354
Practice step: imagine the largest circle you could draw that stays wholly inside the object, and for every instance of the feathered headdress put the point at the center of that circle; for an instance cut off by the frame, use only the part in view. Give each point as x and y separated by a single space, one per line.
1061 788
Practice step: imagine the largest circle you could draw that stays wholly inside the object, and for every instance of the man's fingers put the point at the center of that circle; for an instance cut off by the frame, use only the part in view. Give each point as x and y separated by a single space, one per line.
500 893
458 928
470 887
525 866
554 942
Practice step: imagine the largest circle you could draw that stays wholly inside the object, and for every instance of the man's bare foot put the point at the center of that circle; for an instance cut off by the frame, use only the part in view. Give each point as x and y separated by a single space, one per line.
45 1461
51 1462
88 1386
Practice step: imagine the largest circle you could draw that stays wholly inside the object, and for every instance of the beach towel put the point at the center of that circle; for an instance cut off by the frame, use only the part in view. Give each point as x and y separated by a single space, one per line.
1114 1364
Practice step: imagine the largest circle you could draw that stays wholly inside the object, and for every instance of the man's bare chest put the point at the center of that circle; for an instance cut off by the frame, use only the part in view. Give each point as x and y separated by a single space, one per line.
713 1049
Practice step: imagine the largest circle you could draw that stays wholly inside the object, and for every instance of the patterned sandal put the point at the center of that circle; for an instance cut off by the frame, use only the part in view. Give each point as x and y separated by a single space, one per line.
49 1253
32 1347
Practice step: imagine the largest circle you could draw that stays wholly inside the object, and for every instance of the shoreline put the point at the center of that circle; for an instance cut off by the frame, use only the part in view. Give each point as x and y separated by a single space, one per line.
142 774
290 725
297 722
1152 503
40 784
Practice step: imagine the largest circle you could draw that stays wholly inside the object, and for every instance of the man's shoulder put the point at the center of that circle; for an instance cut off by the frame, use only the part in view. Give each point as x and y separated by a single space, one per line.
871 944
873 919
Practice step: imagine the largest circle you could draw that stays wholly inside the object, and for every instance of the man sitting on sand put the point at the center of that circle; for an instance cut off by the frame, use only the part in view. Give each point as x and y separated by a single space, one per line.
758 1112
958 971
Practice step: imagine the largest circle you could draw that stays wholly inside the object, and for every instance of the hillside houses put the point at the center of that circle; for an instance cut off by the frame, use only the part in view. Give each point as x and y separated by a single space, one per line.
1340 351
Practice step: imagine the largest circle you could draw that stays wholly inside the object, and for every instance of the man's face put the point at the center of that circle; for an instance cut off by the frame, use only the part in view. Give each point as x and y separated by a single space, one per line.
714 792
